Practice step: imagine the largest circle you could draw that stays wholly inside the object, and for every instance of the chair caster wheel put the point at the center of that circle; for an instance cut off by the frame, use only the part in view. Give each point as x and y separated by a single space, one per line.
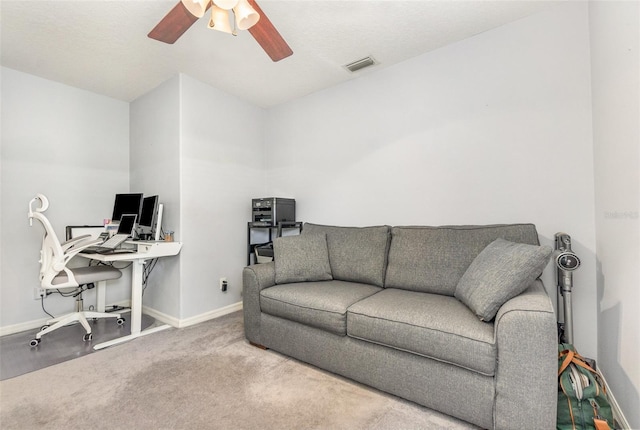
44 327
120 321
87 337
34 342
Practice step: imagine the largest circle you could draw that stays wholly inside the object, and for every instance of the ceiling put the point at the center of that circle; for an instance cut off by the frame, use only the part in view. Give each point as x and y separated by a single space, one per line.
102 46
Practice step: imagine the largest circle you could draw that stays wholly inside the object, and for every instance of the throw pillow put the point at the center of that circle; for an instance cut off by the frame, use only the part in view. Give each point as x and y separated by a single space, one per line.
301 258
500 272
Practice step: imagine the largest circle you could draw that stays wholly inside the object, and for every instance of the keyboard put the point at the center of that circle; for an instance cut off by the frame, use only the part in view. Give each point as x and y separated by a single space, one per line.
104 251
109 245
114 241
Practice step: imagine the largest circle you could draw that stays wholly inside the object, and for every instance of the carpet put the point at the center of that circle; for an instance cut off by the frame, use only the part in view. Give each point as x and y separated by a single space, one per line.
201 377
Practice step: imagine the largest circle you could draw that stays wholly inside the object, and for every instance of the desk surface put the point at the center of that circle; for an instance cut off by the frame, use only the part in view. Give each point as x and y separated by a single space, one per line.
145 250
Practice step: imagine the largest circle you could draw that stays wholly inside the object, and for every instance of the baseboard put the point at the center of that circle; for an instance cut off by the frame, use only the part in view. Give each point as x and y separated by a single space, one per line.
167 319
17 328
618 416
181 323
36 324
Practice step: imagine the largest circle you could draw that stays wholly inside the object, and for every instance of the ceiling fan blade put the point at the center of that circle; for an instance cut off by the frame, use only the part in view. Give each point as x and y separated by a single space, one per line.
268 37
173 25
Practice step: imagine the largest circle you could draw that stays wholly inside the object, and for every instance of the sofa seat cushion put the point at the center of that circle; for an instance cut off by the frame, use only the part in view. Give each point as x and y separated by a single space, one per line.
321 304
431 325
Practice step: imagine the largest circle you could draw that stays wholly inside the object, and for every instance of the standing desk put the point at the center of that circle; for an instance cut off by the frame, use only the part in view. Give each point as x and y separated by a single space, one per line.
145 250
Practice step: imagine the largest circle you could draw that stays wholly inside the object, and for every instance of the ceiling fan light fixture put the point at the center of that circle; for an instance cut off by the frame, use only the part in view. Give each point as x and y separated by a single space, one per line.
246 13
196 8
246 16
220 20
225 4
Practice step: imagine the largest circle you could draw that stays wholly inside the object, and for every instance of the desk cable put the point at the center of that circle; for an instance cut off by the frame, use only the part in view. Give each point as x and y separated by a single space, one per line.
75 293
109 263
148 268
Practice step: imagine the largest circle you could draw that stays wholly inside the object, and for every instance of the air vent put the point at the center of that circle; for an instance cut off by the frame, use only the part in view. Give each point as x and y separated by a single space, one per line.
360 64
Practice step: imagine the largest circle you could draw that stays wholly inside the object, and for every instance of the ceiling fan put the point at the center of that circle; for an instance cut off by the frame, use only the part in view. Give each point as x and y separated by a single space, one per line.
246 14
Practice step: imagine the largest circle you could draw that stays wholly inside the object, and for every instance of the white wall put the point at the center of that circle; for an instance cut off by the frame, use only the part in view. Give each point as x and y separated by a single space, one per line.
493 129
496 128
201 150
155 169
615 63
222 165
72 146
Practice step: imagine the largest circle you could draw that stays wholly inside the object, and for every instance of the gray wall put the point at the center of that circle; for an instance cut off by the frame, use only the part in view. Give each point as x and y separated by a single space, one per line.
72 146
201 150
222 169
487 130
155 169
615 82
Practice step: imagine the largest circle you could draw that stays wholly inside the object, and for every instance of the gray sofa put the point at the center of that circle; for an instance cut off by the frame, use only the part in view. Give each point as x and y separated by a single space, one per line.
453 318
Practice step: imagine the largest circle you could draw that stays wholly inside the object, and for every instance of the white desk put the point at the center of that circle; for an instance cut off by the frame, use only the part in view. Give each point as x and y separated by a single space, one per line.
145 251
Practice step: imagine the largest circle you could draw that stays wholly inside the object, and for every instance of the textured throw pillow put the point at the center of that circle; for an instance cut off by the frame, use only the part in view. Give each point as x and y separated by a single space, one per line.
500 272
301 258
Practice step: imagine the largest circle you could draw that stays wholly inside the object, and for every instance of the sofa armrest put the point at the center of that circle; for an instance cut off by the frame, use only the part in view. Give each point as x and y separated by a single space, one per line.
526 375
255 278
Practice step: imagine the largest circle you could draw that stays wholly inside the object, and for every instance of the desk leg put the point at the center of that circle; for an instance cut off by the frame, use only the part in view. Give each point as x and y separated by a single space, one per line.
136 309
136 296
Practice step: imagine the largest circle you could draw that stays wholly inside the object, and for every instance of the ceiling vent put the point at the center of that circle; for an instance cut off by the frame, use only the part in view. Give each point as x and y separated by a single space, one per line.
360 64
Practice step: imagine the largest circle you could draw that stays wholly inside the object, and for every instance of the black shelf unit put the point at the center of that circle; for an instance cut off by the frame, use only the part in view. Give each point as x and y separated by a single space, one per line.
271 230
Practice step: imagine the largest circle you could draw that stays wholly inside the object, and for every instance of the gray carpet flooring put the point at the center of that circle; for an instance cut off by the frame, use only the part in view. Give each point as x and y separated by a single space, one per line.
201 377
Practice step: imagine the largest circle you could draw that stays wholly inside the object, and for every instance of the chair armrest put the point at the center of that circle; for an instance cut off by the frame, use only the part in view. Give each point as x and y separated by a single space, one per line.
255 278
74 240
80 242
526 338
73 247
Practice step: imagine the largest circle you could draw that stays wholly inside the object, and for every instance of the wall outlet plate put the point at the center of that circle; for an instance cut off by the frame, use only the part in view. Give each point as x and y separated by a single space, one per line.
38 293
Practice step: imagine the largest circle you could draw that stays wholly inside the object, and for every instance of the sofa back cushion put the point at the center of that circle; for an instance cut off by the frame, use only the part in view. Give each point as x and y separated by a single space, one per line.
356 254
433 259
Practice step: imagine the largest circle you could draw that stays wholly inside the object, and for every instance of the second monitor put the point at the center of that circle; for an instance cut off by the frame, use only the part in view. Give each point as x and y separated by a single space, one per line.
148 223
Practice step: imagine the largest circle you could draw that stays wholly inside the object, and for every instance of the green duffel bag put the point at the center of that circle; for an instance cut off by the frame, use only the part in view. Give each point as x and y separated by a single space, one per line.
582 398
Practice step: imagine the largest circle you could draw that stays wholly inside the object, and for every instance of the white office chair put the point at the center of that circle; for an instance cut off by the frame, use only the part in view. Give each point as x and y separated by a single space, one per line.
55 275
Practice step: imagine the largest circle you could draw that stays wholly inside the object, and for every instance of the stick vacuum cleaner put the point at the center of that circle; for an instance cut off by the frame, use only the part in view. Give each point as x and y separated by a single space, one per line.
566 262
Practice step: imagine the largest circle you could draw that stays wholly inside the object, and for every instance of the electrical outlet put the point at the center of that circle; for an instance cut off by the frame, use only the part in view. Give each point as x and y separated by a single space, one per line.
223 285
38 293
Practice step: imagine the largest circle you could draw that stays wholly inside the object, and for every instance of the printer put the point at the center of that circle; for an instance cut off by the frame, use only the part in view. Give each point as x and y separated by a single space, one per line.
269 211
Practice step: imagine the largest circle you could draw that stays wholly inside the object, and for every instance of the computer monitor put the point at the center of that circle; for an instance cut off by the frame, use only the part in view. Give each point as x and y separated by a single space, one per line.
149 215
126 204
